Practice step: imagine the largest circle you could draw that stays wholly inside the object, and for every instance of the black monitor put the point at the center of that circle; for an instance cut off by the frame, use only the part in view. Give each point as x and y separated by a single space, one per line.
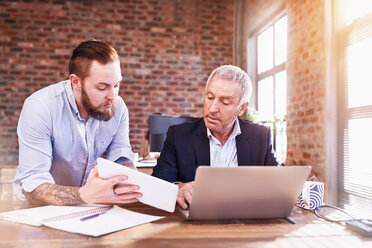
159 125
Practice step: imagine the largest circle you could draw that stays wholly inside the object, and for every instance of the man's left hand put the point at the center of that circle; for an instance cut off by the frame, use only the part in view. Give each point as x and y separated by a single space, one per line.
185 194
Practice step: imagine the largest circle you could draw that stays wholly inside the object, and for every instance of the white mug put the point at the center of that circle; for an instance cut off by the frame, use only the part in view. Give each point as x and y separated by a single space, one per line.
312 195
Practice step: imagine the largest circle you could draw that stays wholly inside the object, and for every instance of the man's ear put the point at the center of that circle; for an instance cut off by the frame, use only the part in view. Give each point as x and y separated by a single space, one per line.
75 81
242 108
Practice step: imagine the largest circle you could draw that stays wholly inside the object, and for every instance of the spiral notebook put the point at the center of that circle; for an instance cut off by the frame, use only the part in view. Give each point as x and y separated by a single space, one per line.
93 220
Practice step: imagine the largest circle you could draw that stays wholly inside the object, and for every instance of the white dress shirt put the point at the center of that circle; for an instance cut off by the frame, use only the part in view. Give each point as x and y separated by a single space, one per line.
224 155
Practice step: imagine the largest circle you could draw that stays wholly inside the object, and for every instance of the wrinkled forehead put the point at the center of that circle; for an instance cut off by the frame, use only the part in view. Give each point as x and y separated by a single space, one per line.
224 88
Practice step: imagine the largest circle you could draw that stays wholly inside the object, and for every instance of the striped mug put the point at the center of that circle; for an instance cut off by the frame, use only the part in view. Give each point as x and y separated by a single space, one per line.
312 195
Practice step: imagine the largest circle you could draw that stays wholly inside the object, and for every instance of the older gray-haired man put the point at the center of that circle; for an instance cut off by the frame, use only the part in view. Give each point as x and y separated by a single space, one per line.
218 139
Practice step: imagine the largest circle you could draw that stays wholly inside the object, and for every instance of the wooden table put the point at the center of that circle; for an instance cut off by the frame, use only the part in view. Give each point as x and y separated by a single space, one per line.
302 229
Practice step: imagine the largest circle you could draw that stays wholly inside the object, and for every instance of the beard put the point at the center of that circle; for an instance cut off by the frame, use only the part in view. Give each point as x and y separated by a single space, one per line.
95 112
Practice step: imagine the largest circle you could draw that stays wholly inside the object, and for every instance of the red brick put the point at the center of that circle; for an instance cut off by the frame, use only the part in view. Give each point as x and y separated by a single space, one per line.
306 155
26 44
63 51
4 38
179 30
157 30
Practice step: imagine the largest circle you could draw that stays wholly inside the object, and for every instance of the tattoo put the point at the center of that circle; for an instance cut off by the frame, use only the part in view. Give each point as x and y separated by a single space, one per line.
48 193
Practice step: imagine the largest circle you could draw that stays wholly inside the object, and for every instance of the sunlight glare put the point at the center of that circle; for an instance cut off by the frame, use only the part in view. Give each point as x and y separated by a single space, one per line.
265 98
354 9
281 41
359 159
265 50
359 59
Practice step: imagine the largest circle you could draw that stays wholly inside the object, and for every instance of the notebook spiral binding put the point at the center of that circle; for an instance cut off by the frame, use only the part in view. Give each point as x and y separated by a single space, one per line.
97 210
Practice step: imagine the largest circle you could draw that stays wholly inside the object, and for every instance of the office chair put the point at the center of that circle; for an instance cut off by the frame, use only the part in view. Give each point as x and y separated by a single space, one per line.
159 125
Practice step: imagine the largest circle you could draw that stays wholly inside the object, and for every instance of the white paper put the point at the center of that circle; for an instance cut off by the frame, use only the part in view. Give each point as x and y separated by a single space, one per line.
113 220
155 192
34 216
145 163
139 162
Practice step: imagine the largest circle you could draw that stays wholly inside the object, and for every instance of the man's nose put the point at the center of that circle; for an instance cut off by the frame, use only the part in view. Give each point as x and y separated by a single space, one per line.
111 94
214 107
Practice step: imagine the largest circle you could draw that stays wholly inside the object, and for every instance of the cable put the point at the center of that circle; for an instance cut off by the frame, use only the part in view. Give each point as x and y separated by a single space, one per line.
319 215
316 212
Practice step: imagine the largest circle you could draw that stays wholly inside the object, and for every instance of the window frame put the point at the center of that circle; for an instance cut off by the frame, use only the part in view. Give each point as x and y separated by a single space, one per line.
252 61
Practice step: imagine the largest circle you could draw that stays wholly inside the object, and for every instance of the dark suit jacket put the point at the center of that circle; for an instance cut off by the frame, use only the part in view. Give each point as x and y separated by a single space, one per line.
187 146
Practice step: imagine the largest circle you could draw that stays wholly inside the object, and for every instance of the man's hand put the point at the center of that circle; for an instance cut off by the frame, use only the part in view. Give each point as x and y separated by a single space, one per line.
99 190
185 194
96 190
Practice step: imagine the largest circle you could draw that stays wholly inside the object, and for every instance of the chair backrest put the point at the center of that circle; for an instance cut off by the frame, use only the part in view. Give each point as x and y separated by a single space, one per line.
159 125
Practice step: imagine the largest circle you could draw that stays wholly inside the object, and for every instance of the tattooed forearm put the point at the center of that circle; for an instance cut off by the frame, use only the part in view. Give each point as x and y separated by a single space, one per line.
48 193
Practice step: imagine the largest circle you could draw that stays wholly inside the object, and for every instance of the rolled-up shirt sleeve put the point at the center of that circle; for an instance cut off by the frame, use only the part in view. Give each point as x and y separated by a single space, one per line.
35 148
120 149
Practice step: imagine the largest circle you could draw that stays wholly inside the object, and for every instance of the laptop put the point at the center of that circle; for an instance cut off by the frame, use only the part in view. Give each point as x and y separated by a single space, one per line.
245 192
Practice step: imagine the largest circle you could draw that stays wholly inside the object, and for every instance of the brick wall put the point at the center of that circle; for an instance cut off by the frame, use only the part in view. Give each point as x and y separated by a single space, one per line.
305 76
167 49
306 85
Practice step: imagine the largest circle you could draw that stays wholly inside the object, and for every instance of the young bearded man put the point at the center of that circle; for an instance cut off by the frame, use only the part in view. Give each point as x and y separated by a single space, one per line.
65 127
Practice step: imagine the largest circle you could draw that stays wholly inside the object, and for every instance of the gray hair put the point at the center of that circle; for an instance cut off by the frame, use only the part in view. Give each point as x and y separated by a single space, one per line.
234 74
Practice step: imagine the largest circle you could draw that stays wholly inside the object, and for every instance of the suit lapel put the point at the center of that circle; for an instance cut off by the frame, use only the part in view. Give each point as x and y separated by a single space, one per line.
201 145
243 145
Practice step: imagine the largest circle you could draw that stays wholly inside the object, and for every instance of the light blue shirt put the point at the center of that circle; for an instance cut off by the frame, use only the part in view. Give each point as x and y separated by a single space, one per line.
56 145
224 155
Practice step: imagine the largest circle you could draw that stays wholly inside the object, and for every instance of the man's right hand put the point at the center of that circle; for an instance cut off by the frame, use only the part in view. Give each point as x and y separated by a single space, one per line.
185 194
99 190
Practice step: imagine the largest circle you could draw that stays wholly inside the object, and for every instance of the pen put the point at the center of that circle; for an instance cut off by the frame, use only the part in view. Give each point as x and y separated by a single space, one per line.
91 216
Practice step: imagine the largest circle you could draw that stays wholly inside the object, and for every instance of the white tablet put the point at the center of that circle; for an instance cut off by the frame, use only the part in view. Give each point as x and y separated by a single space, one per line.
155 192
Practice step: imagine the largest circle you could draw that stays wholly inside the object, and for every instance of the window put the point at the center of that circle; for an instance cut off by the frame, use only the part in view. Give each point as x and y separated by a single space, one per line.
354 34
272 81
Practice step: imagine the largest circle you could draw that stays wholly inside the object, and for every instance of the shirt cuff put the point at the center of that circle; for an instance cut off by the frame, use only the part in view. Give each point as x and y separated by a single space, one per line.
119 154
123 160
30 183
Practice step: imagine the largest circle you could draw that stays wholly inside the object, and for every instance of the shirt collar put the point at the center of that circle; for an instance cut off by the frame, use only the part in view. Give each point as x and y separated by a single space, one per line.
71 98
236 131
